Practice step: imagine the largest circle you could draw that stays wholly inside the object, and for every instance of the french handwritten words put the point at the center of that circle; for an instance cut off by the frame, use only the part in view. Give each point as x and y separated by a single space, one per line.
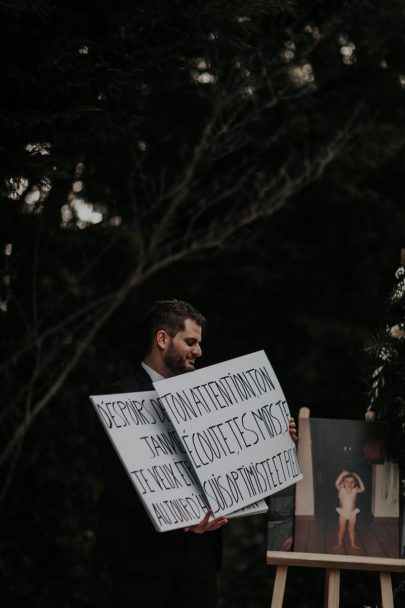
232 420
154 458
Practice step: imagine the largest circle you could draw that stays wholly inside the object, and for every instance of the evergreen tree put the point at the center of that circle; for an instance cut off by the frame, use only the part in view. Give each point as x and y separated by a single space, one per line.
387 394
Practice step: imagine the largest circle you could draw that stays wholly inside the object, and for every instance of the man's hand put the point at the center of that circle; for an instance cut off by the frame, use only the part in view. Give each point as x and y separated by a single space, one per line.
206 525
292 429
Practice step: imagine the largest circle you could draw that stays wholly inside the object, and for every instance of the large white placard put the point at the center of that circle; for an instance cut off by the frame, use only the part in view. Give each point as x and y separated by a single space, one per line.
154 458
232 419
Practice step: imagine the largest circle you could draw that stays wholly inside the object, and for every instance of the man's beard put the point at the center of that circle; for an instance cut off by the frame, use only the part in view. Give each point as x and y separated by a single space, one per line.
175 362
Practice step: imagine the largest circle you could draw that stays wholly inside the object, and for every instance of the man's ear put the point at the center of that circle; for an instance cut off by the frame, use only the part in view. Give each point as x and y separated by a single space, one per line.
162 339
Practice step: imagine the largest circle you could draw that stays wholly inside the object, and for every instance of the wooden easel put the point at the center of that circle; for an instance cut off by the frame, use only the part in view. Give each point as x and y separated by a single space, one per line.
333 564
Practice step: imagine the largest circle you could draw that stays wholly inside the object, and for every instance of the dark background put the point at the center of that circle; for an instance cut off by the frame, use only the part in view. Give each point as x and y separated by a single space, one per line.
286 229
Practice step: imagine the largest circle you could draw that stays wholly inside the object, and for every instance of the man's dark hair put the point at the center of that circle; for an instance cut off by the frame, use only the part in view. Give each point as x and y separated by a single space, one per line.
169 315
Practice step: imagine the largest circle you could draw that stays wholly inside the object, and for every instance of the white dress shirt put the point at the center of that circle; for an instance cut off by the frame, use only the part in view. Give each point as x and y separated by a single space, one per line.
154 376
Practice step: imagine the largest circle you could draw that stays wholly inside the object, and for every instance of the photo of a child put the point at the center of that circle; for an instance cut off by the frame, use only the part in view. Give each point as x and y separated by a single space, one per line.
348 486
348 501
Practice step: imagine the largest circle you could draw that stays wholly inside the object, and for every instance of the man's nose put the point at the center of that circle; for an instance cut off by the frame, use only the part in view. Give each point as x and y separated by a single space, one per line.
197 352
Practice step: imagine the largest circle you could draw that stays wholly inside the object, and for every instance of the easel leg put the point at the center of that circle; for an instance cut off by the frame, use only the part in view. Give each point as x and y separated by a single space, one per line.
386 590
332 583
279 587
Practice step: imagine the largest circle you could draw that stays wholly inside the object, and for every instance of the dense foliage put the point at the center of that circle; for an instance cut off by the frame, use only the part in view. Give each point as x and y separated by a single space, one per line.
247 156
387 392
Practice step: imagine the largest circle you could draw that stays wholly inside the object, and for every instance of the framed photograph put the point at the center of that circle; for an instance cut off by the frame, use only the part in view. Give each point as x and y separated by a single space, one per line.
348 501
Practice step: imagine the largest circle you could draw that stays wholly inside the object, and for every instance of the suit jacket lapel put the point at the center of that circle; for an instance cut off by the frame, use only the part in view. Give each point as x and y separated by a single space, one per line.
138 381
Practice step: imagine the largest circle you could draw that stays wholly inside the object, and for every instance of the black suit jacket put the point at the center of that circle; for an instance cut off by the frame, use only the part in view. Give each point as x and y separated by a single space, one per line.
127 540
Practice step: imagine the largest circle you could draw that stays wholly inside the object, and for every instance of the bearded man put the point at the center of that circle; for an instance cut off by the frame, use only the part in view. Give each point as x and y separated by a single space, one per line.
176 569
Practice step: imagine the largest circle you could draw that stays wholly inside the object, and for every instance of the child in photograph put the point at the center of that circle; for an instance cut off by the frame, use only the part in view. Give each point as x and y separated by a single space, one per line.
348 486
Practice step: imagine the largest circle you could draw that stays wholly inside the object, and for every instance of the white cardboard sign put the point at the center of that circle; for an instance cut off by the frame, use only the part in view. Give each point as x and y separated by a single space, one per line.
154 458
232 419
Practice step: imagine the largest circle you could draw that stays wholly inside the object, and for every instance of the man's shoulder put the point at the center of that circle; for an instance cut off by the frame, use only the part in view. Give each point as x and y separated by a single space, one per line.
139 380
